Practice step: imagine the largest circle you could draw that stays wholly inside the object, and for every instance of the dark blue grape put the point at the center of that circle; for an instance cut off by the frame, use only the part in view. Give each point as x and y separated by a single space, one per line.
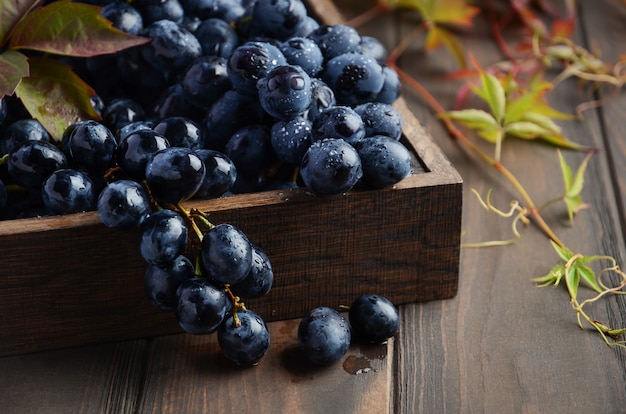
141 80
259 280
354 78
120 112
226 254
163 237
68 191
380 119
132 127
285 92
306 27
172 47
32 162
205 80
123 204
202 306
136 149
181 132
330 167
374 48
324 336
277 19
154 10
385 161
250 62
161 282
91 147
291 139
338 122
250 148
220 174
228 114
305 53
335 40
217 38
228 10
21 131
322 98
374 318
174 101
124 17
391 88
245 340
174 174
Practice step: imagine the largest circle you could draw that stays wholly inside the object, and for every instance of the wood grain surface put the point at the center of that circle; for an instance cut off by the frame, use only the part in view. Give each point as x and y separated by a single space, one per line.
500 346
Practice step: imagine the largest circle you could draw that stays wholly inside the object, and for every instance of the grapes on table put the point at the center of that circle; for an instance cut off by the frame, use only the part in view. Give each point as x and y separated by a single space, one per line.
228 97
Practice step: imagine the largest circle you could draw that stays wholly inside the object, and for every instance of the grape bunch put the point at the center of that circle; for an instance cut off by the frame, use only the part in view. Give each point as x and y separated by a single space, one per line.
228 97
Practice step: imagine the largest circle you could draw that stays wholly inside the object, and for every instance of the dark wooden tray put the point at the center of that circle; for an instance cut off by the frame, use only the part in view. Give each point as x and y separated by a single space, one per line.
69 280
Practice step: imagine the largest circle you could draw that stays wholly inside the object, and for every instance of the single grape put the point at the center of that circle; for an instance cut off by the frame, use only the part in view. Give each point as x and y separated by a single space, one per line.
181 131
355 78
123 204
174 101
250 62
32 162
338 122
250 148
322 98
202 306
380 119
154 10
68 191
174 174
217 37
161 282
304 52
21 131
374 318
330 167
337 39
172 47
226 254
205 80
385 161
324 336
163 236
246 341
259 280
124 17
285 92
220 174
277 19
91 147
392 86
291 139
373 47
122 111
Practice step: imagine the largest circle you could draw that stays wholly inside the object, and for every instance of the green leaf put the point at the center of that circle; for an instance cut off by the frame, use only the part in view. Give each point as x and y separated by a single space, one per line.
494 95
573 185
55 95
525 130
552 278
564 253
13 67
11 12
589 277
72 29
541 120
473 118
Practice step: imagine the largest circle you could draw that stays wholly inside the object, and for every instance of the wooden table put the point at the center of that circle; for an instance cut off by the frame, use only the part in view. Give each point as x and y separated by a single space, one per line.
501 346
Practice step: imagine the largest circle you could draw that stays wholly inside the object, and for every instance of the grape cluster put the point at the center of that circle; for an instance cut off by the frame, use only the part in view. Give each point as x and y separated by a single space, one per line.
229 96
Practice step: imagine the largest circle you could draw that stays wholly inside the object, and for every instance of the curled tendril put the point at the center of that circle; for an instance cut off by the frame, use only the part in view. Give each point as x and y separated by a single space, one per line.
516 211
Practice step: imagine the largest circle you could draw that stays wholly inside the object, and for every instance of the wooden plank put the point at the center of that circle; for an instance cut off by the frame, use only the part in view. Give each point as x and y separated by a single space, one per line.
99 379
188 374
502 342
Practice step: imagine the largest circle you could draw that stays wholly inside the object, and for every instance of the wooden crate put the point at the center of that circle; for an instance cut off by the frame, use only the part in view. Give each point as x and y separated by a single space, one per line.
69 280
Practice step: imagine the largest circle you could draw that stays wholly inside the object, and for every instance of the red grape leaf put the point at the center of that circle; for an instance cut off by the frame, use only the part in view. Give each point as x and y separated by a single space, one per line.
55 96
72 29
13 67
11 12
